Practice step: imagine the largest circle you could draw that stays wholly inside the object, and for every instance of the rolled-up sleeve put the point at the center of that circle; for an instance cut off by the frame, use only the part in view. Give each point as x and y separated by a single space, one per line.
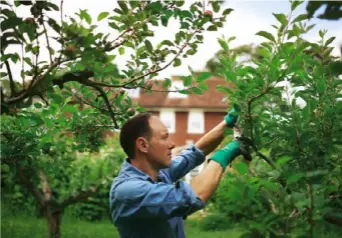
143 199
187 160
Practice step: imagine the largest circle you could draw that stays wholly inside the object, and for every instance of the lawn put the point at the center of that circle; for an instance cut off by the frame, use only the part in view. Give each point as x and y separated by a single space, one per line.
30 227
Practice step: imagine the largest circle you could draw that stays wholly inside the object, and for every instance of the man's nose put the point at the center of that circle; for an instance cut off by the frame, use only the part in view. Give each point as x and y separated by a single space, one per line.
172 145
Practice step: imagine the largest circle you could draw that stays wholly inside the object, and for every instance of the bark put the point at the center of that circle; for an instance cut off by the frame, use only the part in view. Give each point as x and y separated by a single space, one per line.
54 223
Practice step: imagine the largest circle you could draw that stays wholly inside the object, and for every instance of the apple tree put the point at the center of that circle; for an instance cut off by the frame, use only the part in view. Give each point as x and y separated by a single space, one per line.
290 103
62 87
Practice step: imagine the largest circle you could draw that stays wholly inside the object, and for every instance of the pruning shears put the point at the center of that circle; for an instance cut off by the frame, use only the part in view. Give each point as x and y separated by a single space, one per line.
245 143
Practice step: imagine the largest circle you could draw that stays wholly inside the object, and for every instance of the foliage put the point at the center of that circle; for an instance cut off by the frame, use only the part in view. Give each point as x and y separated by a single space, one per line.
62 105
332 9
290 106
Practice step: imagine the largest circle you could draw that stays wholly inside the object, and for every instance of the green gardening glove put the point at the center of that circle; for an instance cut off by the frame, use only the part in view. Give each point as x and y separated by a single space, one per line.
231 118
227 154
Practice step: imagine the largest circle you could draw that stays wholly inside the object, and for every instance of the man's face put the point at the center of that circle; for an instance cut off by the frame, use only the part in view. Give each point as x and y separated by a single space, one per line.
160 145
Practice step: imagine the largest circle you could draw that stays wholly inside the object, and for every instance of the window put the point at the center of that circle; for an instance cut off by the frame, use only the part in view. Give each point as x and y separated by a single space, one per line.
196 122
177 85
169 119
133 93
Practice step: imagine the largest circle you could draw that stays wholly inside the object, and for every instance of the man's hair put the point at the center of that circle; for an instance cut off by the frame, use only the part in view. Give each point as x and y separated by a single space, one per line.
137 126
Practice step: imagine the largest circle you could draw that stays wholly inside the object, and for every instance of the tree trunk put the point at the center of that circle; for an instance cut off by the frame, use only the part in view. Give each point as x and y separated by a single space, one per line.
54 224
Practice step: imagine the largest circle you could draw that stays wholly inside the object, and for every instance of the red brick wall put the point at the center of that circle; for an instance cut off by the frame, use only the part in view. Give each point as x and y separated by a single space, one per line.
181 135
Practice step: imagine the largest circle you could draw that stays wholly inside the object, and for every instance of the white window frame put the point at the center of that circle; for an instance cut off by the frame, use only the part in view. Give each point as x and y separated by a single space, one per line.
177 85
168 117
133 93
196 115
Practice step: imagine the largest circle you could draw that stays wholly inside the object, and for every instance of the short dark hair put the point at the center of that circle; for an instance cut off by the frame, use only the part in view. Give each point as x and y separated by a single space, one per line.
137 126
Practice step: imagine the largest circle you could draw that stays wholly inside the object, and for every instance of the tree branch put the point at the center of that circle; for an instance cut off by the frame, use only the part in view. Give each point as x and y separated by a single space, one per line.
45 184
79 197
105 98
25 181
12 84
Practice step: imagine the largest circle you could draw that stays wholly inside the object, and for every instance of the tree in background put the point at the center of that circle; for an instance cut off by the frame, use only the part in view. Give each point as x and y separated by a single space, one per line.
332 9
63 104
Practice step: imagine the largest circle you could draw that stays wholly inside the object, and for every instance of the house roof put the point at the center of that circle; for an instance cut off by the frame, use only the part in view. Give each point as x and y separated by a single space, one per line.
210 99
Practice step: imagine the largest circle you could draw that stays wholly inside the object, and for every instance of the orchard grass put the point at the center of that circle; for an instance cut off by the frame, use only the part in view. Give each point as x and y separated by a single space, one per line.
26 226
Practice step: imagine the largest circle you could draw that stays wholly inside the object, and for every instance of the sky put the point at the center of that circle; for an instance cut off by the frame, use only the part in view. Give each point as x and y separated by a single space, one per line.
248 17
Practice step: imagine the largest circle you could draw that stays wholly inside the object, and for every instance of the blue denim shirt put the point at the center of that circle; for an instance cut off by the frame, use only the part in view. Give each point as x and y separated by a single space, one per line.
141 207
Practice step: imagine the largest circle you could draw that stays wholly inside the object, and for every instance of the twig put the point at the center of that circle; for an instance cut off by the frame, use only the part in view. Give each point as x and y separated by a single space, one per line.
160 69
12 84
23 66
47 40
61 34
105 98
96 107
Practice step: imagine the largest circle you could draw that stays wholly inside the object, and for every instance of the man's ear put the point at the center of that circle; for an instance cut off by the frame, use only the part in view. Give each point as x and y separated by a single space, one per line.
142 144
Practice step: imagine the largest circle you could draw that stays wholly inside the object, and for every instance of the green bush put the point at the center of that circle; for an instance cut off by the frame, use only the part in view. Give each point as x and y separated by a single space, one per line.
216 222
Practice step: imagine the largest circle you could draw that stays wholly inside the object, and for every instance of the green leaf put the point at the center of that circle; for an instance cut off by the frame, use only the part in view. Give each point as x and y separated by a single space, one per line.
3 74
179 3
230 76
102 15
223 44
167 42
121 50
84 15
321 85
177 62
134 4
187 80
295 4
212 28
237 107
190 52
331 39
123 6
294 178
223 89
113 25
227 11
242 168
35 50
203 86
184 91
166 83
283 160
231 39
148 45
196 91
203 76
15 57
199 37
70 108
28 61
267 35
299 18
281 18
216 6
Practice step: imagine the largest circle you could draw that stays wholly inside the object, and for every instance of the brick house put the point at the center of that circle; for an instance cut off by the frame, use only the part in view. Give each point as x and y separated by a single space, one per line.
188 117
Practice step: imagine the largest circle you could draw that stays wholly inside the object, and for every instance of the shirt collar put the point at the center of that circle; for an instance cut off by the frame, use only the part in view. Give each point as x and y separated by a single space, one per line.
132 171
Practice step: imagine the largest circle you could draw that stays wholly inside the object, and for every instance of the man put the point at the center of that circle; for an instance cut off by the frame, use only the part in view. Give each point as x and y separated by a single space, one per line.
147 198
